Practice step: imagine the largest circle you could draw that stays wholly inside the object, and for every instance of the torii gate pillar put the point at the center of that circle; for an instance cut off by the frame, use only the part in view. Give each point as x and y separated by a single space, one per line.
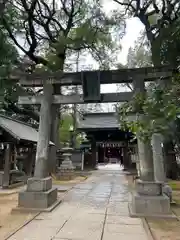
39 193
148 198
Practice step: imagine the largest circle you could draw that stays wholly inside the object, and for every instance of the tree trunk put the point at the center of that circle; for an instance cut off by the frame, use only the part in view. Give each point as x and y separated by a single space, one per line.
171 166
6 176
75 106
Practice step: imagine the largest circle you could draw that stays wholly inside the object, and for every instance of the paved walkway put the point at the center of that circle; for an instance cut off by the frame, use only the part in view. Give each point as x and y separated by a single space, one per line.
96 209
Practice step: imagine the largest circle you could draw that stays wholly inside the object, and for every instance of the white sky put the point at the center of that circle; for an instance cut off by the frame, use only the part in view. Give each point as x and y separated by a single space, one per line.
133 28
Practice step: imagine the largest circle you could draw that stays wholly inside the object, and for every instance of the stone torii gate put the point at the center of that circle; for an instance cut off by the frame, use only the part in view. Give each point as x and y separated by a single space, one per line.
148 199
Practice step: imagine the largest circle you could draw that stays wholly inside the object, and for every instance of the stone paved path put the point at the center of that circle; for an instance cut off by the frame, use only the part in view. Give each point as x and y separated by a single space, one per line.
96 209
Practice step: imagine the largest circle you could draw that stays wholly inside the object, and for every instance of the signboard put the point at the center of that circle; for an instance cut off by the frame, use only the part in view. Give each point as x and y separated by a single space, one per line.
111 144
91 88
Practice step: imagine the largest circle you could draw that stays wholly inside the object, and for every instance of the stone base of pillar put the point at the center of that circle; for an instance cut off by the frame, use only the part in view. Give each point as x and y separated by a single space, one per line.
39 195
149 201
66 170
65 174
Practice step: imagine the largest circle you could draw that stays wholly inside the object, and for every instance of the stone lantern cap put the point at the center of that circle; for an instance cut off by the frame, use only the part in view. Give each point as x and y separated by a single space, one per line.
67 149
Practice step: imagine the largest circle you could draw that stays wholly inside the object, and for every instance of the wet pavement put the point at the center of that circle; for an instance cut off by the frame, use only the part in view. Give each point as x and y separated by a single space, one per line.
95 209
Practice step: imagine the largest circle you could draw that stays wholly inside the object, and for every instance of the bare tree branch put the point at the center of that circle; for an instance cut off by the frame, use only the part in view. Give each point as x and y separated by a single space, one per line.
128 5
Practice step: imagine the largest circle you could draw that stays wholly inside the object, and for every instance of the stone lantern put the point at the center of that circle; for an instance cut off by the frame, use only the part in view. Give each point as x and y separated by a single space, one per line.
66 170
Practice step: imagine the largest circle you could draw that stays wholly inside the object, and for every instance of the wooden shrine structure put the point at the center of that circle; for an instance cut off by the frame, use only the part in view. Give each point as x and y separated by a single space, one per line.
18 142
148 199
108 142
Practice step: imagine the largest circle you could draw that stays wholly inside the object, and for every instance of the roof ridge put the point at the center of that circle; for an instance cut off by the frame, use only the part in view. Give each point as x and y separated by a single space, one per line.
16 120
99 113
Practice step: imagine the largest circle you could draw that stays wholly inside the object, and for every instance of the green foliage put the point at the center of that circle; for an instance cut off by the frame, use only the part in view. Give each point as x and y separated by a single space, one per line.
140 54
154 114
91 31
170 47
9 57
161 106
65 125
65 132
8 54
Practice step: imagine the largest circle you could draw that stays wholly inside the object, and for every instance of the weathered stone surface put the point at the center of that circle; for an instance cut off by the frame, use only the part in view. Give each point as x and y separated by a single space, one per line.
145 160
67 163
167 190
119 236
88 218
122 220
148 188
39 200
39 184
150 205
65 174
66 170
81 229
124 228
42 151
158 159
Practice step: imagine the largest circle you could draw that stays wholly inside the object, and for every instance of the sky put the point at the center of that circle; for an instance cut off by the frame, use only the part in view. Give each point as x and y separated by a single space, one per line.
133 29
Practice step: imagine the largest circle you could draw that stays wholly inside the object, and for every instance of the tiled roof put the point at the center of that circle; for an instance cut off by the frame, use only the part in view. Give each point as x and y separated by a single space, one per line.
18 129
99 121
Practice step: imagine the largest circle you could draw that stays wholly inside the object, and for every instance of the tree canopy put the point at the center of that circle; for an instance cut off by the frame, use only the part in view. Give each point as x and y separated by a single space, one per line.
156 16
140 54
51 30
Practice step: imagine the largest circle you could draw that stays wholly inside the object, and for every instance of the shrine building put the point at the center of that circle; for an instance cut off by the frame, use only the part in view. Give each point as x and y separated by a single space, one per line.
108 142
